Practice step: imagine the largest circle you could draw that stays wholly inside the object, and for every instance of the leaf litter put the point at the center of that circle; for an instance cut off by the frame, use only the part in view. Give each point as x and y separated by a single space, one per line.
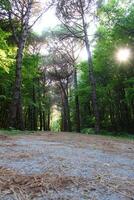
53 184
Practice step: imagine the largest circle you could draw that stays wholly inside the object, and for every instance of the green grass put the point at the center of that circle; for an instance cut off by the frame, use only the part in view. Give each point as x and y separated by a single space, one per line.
117 134
15 132
124 135
88 131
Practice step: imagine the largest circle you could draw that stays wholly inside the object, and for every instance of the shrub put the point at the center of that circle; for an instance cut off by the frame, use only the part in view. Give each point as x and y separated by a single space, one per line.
88 131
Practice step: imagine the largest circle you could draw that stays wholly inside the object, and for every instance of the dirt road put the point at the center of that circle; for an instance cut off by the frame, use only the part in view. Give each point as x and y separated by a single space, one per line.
66 166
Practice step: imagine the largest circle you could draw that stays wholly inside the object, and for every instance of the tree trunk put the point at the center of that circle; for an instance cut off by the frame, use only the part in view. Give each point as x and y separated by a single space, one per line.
66 110
34 109
16 116
93 88
48 121
44 121
64 114
91 73
41 118
77 109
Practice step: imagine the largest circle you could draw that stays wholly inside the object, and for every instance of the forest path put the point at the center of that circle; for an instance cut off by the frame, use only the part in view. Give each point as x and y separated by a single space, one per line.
66 166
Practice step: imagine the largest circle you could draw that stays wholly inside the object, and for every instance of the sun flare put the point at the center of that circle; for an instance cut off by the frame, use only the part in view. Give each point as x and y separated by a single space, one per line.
123 54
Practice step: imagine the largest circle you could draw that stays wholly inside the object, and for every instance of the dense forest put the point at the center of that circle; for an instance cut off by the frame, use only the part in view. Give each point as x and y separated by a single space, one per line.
45 84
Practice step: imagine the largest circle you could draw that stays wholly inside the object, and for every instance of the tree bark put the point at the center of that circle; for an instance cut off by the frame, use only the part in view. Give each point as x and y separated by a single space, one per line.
77 109
44 121
64 114
48 121
91 73
41 118
16 116
93 87
34 109
66 110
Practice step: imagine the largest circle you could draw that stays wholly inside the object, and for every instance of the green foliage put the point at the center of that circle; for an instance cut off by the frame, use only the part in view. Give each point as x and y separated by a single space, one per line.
14 132
117 134
106 133
6 57
55 126
5 5
115 88
114 79
88 131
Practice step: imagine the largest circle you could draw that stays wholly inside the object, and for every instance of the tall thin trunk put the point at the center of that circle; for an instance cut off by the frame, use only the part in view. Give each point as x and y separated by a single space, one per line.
48 121
41 118
40 104
91 73
16 116
93 88
34 109
66 109
64 114
44 97
44 121
77 108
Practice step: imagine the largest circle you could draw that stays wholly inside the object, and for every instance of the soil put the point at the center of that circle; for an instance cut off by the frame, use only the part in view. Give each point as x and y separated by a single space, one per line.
66 166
